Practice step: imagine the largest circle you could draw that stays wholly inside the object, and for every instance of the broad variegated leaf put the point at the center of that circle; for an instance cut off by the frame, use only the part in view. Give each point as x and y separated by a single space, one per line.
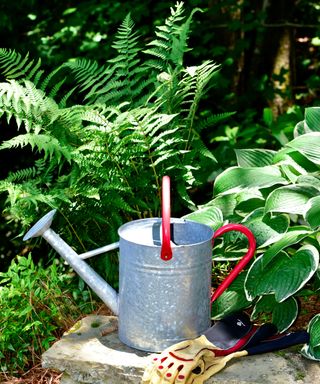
308 179
290 199
266 229
254 157
228 203
284 275
308 145
232 300
225 203
312 118
312 212
237 179
283 314
293 236
211 216
312 349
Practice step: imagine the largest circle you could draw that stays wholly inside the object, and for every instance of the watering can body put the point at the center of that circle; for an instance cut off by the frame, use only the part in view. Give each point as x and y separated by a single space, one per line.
163 302
164 278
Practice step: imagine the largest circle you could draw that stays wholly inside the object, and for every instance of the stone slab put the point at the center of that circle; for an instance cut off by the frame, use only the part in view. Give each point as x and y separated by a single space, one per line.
90 352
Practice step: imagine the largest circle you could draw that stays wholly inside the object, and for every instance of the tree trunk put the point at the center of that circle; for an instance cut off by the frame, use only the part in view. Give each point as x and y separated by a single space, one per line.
281 77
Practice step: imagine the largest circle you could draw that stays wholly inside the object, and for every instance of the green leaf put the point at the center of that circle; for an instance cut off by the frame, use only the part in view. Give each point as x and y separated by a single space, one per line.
316 281
225 203
231 300
249 205
290 199
296 160
308 179
291 169
314 330
312 118
68 11
266 229
308 145
210 216
312 212
247 158
312 350
283 314
284 276
292 236
236 179
267 116
40 142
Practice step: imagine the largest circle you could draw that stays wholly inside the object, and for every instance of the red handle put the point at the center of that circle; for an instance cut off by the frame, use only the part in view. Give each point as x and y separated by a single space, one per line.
166 251
242 263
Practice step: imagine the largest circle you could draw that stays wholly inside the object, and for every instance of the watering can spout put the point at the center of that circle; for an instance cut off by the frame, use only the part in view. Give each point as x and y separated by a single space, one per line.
106 293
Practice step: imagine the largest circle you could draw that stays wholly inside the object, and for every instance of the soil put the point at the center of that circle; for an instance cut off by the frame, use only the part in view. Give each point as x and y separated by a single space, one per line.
36 375
309 307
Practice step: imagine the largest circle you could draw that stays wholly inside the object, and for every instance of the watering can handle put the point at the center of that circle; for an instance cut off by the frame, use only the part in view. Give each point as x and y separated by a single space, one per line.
242 263
166 251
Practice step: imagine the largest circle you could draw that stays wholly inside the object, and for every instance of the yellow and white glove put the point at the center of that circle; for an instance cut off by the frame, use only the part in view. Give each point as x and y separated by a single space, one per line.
176 363
209 366
194 361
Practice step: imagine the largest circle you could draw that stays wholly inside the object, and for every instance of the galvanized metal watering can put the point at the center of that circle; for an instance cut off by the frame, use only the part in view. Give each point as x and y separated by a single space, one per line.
165 275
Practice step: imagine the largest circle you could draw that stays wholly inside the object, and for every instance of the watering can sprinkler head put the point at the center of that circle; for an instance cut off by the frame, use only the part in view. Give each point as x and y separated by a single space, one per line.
41 226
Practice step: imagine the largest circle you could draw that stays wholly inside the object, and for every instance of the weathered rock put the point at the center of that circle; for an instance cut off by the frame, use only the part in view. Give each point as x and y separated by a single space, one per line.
92 353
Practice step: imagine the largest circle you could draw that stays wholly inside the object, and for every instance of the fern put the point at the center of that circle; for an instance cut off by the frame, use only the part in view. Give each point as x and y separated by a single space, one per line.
15 67
123 80
172 37
27 173
88 74
100 162
22 69
48 144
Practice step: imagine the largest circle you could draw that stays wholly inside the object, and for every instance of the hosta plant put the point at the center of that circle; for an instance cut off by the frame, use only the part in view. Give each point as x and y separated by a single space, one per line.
277 195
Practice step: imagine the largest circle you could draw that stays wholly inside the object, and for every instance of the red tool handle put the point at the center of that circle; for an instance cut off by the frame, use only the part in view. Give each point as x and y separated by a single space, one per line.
242 263
166 251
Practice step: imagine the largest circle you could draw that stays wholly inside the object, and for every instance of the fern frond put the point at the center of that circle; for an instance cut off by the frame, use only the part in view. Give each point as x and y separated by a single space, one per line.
27 173
22 174
27 104
172 37
180 41
14 66
212 120
48 144
200 148
88 74
94 116
126 40
156 122
119 81
63 102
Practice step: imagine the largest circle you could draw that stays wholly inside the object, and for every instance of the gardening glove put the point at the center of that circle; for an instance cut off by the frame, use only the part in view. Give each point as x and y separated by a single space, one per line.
175 363
208 366
179 362
278 342
253 347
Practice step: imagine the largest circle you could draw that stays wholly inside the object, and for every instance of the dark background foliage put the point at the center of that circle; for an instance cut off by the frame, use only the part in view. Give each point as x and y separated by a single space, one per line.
268 51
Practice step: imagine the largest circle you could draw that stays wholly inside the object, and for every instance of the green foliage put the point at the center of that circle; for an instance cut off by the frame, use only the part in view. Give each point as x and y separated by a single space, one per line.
100 162
276 195
36 306
312 350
